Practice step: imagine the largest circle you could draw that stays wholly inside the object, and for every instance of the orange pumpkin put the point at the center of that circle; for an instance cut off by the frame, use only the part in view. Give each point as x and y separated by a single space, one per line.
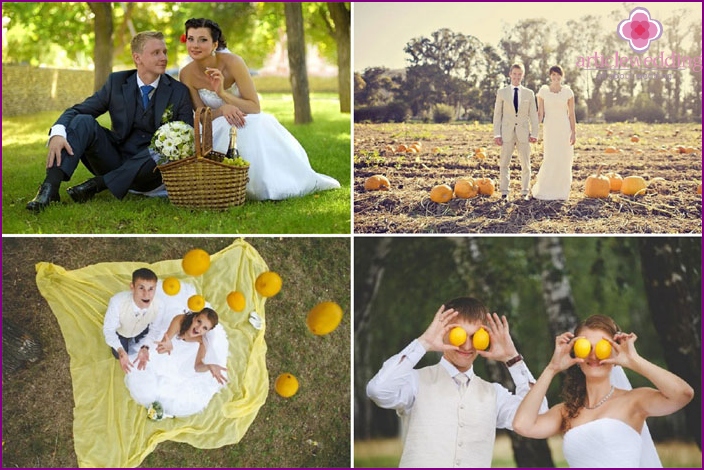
635 138
611 150
480 150
699 189
377 183
633 185
441 194
480 155
486 186
597 185
615 181
466 188
402 148
415 146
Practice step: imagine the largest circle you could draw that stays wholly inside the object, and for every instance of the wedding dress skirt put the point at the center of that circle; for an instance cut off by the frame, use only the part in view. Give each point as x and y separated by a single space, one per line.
555 175
602 443
171 379
279 166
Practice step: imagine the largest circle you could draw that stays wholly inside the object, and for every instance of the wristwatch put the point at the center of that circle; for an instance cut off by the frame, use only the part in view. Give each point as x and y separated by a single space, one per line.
514 360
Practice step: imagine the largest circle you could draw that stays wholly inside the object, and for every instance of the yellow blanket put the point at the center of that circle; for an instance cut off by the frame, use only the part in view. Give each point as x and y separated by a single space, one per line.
110 429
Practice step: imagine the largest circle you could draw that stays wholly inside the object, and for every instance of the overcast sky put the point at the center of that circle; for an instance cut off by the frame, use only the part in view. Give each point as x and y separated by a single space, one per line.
382 30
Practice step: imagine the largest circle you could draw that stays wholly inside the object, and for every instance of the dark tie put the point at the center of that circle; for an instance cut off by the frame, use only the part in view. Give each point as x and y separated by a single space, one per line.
515 98
146 89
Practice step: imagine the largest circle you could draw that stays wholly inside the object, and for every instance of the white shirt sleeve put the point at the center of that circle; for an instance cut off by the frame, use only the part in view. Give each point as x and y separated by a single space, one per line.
507 403
58 129
395 386
112 322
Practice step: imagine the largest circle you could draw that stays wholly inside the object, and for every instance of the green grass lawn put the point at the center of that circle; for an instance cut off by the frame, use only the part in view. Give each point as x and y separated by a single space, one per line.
326 140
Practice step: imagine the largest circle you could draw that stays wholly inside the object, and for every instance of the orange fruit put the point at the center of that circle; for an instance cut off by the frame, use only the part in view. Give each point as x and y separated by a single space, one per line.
236 301
286 385
196 262
196 303
480 339
324 318
457 336
582 347
602 349
171 286
268 284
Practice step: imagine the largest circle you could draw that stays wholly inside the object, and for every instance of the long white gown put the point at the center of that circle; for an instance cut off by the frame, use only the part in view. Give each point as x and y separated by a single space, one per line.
171 379
602 443
555 175
279 166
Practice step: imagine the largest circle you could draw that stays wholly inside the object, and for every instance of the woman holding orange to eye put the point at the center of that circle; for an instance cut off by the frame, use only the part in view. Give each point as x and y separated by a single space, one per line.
602 418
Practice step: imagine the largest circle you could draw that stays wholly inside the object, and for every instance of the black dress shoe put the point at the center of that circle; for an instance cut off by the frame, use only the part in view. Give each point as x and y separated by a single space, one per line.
83 192
47 194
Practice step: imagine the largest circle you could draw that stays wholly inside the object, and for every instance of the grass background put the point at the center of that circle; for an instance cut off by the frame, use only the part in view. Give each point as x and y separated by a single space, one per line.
326 140
37 402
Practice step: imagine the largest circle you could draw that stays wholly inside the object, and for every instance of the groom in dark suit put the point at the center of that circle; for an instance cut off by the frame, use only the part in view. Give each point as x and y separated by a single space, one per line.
138 101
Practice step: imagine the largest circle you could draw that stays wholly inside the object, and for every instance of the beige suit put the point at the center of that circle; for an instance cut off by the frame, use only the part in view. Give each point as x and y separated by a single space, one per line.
515 129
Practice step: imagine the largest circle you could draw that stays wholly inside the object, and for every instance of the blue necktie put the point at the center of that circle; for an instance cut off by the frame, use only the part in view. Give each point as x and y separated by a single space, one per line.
515 98
146 89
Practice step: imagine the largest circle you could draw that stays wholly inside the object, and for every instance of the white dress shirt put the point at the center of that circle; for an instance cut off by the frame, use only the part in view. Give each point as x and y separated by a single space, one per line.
395 386
112 322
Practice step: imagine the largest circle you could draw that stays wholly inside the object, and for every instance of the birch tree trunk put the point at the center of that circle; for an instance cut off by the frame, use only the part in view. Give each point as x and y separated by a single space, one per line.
364 295
671 273
557 293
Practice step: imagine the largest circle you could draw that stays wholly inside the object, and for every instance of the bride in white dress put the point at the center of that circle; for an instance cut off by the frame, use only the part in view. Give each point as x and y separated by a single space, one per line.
556 105
279 166
602 418
186 369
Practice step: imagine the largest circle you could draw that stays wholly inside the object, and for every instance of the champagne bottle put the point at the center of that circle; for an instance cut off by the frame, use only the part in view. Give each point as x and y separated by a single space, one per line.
232 151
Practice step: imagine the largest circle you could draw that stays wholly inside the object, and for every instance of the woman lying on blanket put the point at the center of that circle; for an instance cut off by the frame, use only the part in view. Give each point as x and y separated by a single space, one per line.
176 377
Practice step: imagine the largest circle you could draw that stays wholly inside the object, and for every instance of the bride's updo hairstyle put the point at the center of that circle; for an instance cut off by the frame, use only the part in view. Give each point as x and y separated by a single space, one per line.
215 31
574 389
557 69
190 316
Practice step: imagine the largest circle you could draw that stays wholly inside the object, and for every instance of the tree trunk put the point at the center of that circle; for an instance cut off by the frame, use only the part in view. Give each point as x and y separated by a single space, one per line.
671 273
467 255
297 63
557 292
341 17
365 293
102 54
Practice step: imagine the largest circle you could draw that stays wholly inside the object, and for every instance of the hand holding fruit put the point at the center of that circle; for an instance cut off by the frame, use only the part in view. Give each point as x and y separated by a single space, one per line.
433 337
561 358
501 347
624 352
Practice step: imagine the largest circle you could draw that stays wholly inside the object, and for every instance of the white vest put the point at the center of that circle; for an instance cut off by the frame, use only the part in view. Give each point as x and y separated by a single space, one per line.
443 429
130 324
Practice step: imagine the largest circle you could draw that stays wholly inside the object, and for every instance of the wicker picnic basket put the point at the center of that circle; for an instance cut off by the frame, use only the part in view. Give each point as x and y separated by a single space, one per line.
202 181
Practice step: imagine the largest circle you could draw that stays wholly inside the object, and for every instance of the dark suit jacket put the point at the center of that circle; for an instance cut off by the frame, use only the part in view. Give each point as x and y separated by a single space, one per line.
117 98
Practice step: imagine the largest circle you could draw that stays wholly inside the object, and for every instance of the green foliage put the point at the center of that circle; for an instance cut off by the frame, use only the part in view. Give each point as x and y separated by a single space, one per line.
443 113
326 140
396 111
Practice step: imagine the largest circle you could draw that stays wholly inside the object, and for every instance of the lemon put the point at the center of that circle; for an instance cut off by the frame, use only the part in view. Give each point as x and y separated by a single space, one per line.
324 318
171 286
286 385
196 262
236 301
268 284
457 336
480 339
196 303
602 349
582 347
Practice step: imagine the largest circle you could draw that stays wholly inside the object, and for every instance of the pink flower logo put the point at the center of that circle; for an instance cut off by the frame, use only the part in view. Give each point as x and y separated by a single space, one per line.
639 29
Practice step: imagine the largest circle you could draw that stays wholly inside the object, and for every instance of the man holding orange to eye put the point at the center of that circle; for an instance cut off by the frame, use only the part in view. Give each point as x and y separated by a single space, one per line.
449 414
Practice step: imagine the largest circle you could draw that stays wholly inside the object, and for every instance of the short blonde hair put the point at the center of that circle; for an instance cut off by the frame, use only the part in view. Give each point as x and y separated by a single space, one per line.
517 66
140 39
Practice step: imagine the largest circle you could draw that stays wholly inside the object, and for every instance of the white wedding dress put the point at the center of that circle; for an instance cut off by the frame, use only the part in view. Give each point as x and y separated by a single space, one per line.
602 443
171 379
555 175
279 166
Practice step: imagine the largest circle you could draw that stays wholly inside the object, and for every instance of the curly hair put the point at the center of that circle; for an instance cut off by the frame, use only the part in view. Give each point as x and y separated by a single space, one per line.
574 388
215 31
190 316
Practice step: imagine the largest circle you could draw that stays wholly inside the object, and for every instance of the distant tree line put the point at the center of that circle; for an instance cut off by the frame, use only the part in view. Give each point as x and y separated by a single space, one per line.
460 71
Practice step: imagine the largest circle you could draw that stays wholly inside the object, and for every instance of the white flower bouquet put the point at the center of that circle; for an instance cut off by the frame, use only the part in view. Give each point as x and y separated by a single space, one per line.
173 141
156 412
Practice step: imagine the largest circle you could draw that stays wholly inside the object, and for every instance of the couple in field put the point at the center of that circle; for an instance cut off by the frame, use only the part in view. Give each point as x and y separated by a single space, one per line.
141 100
516 124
